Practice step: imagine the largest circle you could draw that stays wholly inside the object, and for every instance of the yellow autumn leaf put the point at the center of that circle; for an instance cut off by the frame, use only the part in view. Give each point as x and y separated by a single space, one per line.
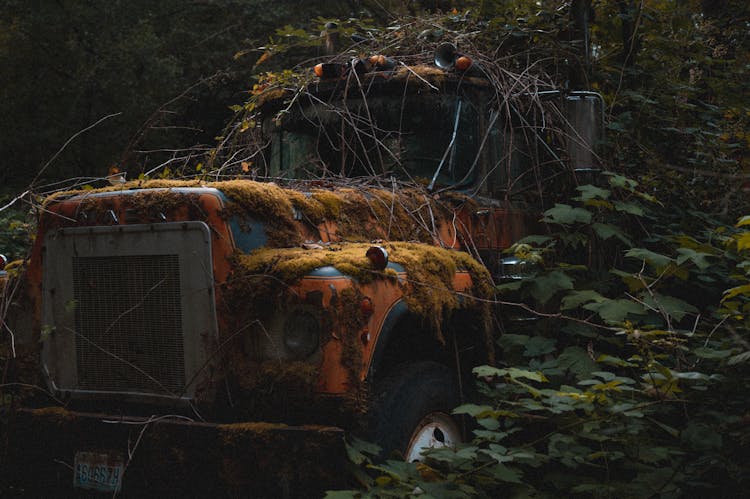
743 241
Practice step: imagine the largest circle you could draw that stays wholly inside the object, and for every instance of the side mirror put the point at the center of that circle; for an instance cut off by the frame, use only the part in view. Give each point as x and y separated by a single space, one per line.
584 112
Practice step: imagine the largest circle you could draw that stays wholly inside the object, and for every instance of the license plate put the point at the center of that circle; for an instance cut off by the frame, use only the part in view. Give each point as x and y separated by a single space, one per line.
100 471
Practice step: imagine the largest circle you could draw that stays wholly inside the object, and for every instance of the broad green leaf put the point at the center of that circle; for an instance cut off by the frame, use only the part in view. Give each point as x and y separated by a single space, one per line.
491 436
545 286
564 214
630 208
473 410
633 283
343 494
710 353
743 221
673 306
539 345
577 298
605 231
505 474
696 257
615 311
512 372
497 456
577 361
655 259
489 423
356 450
591 191
739 358
615 361
616 180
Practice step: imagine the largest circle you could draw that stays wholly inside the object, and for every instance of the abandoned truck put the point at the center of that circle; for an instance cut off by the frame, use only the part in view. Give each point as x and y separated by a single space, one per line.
202 336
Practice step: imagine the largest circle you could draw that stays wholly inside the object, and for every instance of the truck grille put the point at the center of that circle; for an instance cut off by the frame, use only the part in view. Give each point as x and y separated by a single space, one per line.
128 320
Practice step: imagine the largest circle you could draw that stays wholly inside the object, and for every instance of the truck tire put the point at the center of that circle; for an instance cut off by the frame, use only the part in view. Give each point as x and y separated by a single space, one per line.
412 410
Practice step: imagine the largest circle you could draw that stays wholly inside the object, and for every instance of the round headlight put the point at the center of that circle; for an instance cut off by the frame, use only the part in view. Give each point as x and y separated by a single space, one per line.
301 334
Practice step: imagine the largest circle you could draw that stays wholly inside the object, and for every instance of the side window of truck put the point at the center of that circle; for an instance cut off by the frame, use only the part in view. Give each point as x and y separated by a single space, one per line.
510 172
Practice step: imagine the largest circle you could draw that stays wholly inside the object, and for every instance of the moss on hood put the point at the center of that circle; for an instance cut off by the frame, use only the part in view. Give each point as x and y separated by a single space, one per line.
364 214
428 290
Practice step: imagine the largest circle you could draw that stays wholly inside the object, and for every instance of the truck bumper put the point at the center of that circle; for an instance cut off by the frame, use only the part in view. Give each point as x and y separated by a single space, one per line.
166 457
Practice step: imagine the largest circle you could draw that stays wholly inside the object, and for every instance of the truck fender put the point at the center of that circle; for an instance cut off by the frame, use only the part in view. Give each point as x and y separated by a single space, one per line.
397 312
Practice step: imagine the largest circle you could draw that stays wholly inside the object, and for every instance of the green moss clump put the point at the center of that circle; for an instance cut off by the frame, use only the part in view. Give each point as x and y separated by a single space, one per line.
365 214
428 290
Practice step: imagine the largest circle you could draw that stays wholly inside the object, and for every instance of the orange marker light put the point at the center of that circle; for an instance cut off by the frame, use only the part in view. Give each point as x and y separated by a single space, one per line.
377 60
366 307
463 63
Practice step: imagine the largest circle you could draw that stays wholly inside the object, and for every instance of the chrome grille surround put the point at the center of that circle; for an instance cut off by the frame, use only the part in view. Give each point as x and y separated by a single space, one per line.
129 311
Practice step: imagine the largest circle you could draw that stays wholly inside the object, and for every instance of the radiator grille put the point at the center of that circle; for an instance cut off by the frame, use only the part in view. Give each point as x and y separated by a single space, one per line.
129 322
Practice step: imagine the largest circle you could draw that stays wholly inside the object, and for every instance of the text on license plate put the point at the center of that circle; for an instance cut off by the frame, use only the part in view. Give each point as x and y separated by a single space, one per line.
98 471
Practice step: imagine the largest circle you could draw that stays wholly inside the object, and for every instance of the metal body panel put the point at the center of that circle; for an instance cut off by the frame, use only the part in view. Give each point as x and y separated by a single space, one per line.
128 309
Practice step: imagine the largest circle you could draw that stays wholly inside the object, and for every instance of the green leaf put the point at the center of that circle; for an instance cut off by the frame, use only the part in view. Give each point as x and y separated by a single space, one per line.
615 311
489 423
342 494
577 361
616 180
511 372
652 258
605 231
539 345
505 474
696 257
710 353
474 410
630 208
564 214
356 450
591 191
576 298
743 221
545 286
615 361
673 306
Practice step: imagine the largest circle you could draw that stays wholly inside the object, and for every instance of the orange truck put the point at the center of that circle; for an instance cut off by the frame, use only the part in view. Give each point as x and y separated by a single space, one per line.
201 337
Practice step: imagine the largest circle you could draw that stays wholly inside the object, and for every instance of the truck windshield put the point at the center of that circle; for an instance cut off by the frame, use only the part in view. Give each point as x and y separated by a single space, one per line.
408 137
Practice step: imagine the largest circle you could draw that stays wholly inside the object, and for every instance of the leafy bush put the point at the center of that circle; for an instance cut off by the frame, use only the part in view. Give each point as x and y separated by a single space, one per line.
636 388
16 231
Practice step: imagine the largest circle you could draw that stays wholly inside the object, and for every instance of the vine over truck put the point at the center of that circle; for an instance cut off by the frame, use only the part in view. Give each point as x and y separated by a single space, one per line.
204 335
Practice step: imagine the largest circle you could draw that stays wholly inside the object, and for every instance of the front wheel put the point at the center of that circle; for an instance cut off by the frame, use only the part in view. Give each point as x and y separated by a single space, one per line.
412 409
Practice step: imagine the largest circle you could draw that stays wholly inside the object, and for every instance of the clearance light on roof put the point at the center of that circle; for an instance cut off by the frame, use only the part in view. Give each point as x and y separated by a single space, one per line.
378 257
333 70
329 70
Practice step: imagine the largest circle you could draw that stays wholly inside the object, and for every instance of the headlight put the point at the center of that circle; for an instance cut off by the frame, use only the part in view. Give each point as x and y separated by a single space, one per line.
301 334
